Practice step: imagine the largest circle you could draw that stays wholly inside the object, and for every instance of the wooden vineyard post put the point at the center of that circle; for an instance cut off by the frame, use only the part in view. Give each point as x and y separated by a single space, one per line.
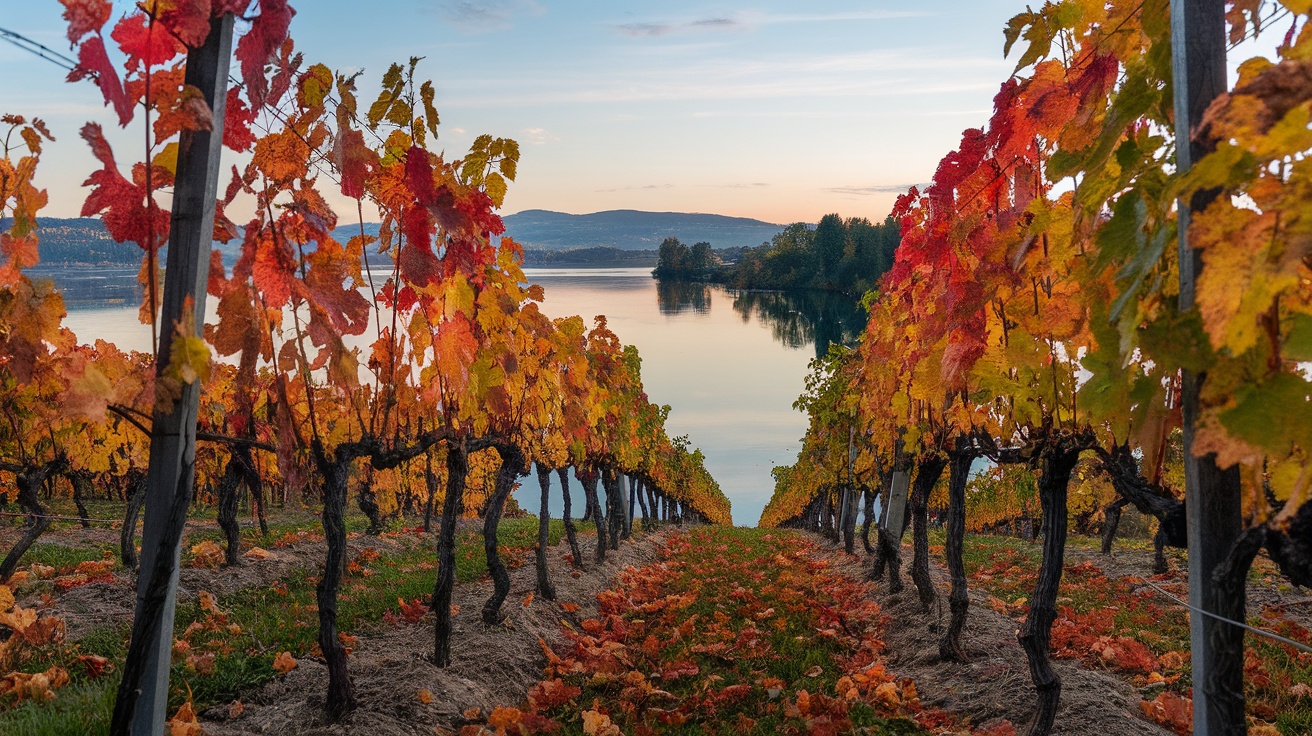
1212 495
896 521
626 507
140 707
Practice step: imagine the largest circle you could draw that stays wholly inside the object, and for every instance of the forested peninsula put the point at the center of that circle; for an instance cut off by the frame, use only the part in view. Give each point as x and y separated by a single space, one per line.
847 255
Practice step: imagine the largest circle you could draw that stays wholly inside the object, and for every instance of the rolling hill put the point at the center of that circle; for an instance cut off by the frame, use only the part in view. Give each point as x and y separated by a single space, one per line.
84 241
633 229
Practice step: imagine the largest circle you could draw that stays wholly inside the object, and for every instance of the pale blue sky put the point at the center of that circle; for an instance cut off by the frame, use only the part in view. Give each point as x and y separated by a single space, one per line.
780 111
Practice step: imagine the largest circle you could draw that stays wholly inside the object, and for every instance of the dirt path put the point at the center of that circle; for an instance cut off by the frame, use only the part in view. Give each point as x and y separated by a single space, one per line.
491 665
996 682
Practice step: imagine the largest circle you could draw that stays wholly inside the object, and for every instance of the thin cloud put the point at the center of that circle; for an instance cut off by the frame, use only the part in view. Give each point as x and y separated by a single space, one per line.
861 191
666 29
747 21
772 18
482 16
637 187
901 72
538 136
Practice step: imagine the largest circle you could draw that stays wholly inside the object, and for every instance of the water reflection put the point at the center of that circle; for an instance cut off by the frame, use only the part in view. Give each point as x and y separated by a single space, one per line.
86 287
804 317
677 297
730 363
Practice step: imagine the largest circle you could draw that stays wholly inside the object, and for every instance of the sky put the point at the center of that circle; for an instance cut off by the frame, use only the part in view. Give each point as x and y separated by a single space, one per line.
778 111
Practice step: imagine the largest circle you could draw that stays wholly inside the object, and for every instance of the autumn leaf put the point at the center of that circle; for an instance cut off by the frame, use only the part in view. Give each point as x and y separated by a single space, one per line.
207 554
502 717
552 693
1170 710
282 156
208 602
267 33
92 61
237 120
355 160
598 724
284 663
85 16
147 43
184 722
94 664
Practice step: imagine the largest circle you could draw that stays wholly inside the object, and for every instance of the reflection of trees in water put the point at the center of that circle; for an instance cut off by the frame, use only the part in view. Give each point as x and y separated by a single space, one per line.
804 317
677 297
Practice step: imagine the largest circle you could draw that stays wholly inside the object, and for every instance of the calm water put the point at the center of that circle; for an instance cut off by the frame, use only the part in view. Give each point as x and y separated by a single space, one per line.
729 364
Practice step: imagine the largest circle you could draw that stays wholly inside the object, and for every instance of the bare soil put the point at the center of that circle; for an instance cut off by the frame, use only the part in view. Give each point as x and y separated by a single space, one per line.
995 683
492 666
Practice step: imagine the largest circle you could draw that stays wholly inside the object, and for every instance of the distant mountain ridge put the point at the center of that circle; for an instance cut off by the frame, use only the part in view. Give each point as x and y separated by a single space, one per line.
81 241
84 240
633 229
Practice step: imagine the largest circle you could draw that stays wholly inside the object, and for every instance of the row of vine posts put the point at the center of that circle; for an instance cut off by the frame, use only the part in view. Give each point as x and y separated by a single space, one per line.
598 419
934 320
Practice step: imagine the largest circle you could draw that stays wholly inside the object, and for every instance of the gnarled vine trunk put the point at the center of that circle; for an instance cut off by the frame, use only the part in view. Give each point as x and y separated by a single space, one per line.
335 472
928 471
127 538
512 466
1058 458
849 520
81 482
227 516
1291 549
30 480
1122 469
590 483
868 509
457 467
430 482
1111 516
545 588
610 480
576 557
368 503
959 462
255 485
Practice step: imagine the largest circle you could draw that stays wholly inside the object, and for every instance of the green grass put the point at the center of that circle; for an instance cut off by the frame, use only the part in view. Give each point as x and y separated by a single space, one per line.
81 709
283 618
65 556
272 619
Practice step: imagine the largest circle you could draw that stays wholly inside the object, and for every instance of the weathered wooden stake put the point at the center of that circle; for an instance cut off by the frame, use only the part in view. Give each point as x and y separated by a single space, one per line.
1212 495
143 693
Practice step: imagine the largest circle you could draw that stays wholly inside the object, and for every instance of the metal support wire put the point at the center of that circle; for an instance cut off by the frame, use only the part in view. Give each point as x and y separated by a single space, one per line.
1223 619
41 50
60 518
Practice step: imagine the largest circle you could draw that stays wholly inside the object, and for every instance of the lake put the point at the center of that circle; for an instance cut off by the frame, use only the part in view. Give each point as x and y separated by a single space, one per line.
729 364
